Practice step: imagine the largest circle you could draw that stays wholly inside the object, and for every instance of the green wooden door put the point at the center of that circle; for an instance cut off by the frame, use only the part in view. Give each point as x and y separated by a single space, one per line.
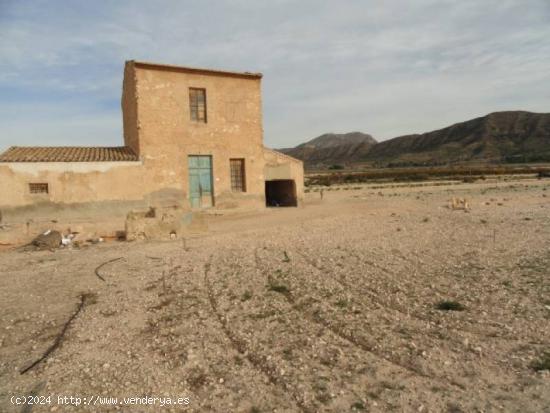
200 181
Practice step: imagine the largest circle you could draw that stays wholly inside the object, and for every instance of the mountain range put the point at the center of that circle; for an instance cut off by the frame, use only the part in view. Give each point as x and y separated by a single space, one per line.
332 148
512 136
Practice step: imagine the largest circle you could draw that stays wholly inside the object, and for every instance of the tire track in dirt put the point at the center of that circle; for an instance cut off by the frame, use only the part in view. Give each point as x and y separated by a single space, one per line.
488 322
317 357
259 362
349 287
408 286
383 305
198 314
364 290
348 337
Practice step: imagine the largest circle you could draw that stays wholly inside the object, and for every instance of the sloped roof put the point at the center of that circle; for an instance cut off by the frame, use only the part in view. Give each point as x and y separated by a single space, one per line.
67 154
282 155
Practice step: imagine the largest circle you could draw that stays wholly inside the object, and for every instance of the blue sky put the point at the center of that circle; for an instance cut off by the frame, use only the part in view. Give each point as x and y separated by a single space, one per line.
383 67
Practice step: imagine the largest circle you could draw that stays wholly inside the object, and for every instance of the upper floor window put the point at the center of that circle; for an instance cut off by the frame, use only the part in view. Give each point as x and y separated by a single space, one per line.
197 104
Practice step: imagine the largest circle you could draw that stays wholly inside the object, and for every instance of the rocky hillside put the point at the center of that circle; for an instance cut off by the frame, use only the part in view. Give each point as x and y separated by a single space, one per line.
514 136
498 137
332 148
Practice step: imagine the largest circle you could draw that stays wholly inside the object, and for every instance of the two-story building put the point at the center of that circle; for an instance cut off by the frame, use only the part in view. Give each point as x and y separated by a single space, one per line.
192 138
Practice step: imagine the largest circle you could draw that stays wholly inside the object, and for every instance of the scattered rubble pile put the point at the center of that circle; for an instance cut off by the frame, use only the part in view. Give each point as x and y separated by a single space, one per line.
53 239
155 223
48 240
159 223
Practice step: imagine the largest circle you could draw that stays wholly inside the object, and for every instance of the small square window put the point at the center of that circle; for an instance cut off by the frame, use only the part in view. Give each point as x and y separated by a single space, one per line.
197 104
38 188
238 181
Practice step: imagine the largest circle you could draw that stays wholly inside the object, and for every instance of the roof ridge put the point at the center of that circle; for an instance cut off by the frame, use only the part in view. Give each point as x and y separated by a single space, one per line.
68 146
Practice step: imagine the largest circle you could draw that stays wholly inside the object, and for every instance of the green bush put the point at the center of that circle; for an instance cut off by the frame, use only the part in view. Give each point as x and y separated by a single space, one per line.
449 306
543 363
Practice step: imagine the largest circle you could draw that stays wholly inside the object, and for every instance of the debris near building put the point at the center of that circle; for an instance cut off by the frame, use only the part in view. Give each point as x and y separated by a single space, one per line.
48 240
161 223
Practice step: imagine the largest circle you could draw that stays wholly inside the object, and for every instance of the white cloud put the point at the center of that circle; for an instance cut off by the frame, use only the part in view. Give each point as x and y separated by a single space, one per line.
387 68
50 124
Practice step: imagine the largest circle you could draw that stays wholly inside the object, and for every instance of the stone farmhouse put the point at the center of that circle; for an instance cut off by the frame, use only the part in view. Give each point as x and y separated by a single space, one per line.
193 139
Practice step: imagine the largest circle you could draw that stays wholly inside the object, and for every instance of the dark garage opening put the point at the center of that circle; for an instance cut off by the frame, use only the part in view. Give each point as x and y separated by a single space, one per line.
280 192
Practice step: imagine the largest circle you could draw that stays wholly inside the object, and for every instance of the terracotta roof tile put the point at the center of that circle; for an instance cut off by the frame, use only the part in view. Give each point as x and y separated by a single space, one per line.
67 154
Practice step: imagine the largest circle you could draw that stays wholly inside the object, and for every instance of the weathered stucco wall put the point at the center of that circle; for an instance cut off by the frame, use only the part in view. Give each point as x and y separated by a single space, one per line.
70 182
233 130
92 198
129 109
281 166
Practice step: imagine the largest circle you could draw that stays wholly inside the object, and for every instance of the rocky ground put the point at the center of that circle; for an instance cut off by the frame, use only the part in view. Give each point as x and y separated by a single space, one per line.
373 299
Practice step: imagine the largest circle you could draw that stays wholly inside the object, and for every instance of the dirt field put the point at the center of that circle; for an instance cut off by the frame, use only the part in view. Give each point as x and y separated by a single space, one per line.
328 308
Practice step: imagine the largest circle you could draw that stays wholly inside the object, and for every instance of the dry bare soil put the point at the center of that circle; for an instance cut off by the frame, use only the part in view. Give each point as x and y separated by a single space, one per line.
329 308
